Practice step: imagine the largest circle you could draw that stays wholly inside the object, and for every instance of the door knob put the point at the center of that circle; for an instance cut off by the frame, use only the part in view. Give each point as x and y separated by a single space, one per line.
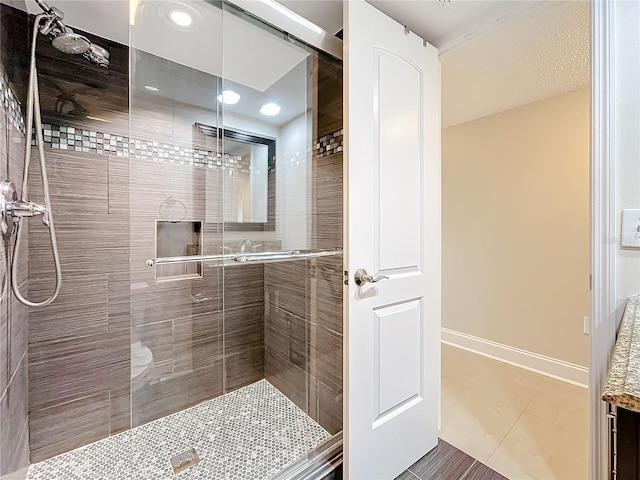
361 277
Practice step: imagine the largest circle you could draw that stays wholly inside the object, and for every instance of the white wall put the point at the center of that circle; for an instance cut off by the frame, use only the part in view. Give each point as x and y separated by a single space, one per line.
246 124
293 180
626 148
516 227
293 183
616 185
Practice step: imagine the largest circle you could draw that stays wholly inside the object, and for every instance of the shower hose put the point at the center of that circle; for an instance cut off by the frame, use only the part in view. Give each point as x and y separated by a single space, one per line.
34 113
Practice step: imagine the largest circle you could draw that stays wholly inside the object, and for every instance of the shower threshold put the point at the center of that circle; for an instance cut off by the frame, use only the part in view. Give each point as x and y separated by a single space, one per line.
252 433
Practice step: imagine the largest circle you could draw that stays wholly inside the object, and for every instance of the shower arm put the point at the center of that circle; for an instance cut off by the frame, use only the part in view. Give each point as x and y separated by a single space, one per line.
53 24
43 5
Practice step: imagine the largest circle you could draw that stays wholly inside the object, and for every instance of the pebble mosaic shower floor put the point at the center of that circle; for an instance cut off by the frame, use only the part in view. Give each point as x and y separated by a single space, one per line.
251 434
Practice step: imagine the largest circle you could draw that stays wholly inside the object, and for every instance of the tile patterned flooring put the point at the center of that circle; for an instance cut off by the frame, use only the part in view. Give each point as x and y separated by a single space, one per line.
251 433
523 425
497 421
446 462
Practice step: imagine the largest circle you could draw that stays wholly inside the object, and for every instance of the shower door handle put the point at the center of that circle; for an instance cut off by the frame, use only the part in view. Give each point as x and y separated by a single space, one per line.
361 277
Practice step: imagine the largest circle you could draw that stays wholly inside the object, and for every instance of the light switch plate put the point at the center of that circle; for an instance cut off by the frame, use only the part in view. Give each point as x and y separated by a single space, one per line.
631 228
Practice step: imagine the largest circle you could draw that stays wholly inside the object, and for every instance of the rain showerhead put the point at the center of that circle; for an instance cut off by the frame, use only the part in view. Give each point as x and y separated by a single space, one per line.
70 42
98 55
66 40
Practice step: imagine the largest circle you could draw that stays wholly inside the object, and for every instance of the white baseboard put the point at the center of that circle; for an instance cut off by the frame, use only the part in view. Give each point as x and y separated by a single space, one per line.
550 367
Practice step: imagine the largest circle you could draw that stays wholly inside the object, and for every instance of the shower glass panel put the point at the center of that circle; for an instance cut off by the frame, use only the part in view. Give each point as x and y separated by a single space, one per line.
235 160
177 324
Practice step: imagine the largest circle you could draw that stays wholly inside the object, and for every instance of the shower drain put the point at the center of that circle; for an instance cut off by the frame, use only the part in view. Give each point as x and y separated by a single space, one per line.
184 460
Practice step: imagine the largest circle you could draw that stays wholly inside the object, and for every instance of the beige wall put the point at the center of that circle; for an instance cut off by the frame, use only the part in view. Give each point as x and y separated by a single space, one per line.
516 227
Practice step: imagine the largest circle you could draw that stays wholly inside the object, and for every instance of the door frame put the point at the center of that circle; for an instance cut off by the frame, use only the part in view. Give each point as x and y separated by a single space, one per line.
603 228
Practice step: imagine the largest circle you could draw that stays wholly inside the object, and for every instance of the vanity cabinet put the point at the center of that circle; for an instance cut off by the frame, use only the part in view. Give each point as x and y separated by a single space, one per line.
624 445
622 393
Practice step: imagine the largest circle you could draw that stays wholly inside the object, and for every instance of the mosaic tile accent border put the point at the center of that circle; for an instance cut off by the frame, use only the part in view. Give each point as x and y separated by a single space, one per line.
63 137
11 105
329 144
250 434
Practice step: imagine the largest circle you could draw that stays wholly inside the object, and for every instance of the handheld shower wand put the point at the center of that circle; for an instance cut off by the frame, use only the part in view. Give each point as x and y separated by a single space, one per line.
13 210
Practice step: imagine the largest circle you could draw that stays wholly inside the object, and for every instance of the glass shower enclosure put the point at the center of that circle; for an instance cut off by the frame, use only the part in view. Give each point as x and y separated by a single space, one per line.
196 186
235 194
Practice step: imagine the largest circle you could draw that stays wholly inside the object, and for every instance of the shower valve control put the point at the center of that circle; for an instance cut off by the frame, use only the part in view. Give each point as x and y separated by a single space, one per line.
8 195
20 208
12 209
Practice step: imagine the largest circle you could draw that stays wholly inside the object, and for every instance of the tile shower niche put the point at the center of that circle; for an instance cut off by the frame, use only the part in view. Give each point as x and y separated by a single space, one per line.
178 238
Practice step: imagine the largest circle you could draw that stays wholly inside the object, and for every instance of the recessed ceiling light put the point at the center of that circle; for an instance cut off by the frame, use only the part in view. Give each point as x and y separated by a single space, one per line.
270 109
180 18
179 15
151 89
228 97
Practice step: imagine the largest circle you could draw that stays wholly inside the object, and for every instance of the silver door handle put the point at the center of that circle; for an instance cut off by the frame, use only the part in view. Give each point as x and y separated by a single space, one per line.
361 277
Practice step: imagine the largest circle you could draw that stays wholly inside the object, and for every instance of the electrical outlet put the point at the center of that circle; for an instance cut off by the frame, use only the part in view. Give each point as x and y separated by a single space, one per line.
587 325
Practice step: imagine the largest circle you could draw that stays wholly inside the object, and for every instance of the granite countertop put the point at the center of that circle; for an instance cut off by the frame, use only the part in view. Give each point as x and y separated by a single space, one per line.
623 382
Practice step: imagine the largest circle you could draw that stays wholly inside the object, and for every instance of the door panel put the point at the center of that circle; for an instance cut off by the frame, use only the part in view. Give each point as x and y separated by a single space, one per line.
398 160
399 372
392 171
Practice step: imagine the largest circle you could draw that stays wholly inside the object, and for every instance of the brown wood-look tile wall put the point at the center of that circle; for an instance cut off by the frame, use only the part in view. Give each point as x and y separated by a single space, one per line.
326 385
303 300
14 394
79 346
105 211
286 329
105 207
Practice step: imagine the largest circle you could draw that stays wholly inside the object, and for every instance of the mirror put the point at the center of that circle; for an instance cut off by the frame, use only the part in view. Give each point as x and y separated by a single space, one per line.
248 201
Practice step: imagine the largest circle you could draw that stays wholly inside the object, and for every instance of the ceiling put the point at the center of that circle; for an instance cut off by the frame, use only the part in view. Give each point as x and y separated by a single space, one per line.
289 91
220 43
441 25
495 54
535 56
324 13
105 18
259 66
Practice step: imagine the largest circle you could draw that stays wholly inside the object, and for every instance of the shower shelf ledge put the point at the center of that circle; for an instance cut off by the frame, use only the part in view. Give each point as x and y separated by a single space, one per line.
241 258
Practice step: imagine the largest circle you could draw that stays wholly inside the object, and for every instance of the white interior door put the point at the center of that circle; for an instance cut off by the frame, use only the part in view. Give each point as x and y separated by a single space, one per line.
392 121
